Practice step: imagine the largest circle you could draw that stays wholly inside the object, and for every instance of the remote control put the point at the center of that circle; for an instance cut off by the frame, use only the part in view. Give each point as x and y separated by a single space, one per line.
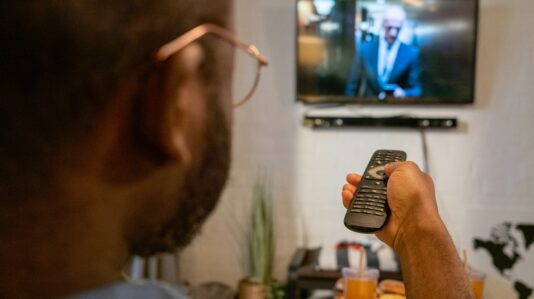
368 210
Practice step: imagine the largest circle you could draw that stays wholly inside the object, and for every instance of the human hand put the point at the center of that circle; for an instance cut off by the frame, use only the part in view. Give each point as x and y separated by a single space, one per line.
411 200
399 93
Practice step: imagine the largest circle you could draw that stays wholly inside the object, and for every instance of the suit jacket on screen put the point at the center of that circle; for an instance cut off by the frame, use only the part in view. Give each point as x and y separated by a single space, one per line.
364 79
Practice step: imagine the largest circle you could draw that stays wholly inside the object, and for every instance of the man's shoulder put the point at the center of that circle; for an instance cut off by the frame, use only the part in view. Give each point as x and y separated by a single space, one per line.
373 44
137 290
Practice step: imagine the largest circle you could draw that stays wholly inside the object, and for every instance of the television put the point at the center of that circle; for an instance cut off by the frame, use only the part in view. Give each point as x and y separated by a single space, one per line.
386 52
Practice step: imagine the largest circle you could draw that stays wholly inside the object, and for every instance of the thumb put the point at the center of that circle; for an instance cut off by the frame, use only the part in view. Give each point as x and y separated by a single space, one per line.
391 167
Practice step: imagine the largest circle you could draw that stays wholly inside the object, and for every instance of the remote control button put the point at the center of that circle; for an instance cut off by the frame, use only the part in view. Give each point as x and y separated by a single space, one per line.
373 172
378 213
373 208
378 192
372 187
356 211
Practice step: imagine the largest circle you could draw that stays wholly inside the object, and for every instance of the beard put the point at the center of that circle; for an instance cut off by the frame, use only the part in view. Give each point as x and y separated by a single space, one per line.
198 192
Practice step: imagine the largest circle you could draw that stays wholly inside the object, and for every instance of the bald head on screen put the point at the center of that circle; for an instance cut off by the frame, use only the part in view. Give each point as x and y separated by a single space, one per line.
394 18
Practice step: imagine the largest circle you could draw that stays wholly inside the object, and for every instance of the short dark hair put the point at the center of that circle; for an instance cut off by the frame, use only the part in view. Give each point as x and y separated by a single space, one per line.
60 62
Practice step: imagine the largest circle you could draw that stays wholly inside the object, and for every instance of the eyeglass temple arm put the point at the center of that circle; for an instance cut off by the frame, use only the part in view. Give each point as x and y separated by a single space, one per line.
181 42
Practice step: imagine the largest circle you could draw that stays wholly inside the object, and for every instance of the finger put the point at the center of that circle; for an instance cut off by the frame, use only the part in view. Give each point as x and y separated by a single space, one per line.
354 179
347 198
349 187
391 167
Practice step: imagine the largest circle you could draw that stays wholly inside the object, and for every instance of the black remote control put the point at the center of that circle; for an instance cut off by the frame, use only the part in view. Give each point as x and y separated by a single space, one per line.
368 210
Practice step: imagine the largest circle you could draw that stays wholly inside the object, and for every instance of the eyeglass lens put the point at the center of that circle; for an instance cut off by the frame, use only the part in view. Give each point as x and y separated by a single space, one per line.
245 75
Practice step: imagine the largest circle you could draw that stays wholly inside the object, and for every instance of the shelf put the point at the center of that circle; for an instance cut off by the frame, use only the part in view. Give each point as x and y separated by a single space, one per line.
330 122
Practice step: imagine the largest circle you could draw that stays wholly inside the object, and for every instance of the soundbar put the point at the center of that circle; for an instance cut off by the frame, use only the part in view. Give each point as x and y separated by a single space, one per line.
325 122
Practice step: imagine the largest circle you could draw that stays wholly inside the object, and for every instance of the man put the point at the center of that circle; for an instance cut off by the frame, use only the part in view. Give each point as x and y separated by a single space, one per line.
115 141
387 66
107 149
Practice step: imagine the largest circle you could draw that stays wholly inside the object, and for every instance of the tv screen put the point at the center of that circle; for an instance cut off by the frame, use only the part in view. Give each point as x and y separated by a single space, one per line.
394 52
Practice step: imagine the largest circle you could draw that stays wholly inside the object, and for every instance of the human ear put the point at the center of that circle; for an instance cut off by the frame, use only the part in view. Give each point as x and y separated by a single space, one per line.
174 117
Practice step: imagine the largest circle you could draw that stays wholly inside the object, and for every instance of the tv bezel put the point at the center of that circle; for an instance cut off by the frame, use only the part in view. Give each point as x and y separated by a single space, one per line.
362 100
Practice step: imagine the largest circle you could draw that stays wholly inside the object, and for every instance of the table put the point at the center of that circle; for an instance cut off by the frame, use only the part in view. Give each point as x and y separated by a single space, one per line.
303 277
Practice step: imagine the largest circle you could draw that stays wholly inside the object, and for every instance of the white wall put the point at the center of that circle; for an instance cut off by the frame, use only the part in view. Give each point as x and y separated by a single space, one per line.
484 167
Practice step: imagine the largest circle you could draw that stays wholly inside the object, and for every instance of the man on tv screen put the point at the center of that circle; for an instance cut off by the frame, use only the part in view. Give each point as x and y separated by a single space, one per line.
386 66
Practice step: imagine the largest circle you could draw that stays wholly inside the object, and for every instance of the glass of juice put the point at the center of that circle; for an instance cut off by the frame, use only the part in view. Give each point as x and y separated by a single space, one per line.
477 283
360 285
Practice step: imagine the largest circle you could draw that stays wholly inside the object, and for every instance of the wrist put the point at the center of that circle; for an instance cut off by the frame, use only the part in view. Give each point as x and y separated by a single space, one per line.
415 230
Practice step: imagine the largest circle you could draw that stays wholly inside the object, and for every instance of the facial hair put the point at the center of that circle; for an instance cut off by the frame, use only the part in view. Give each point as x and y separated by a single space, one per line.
200 190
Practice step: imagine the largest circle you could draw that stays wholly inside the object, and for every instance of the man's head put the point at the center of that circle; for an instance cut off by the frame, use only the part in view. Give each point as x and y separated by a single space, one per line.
394 18
89 120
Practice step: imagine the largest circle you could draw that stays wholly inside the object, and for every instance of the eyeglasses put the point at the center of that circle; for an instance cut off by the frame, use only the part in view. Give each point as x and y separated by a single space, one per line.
248 60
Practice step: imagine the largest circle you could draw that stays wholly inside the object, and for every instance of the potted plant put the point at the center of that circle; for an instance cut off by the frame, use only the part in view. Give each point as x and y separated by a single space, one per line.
260 283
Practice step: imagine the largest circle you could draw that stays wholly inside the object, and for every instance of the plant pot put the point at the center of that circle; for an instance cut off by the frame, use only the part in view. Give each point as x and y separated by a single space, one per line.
251 289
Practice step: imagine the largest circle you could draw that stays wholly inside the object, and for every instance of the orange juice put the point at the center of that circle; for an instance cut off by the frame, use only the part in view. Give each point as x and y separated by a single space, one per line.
477 283
360 288
360 284
478 287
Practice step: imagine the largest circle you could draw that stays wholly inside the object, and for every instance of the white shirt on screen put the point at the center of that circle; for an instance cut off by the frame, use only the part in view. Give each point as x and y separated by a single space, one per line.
386 57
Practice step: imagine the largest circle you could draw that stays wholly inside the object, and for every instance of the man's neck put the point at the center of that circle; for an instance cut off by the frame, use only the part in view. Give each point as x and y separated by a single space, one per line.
49 252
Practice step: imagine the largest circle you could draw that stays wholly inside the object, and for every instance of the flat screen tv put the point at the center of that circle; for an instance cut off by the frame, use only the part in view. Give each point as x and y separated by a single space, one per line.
386 52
